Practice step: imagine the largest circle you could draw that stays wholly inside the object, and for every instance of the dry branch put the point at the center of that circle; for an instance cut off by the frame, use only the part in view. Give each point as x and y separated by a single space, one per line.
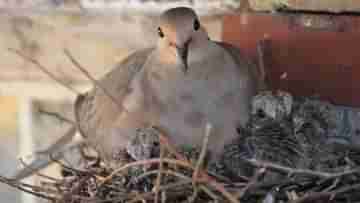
94 81
44 70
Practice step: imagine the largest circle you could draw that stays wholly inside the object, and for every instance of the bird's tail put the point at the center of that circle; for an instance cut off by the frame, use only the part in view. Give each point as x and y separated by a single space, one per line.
45 158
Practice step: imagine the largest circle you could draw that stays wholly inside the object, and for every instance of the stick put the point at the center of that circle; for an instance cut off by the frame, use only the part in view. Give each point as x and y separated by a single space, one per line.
329 195
158 178
94 81
56 115
25 165
200 161
252 182
204 176
44 70
186 180
260 51
17 186
145 162
285 169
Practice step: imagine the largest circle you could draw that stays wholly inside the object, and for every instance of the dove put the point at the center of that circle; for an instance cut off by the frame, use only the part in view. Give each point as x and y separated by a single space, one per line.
182 83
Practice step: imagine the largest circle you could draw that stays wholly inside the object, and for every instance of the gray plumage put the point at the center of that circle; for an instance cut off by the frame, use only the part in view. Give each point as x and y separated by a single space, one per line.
184 82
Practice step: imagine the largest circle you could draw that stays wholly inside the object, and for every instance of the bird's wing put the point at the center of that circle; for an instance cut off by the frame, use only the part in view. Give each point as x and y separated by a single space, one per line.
96 110
243 62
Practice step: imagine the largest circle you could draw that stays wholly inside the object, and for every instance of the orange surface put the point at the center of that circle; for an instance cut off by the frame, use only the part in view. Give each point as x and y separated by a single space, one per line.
8 118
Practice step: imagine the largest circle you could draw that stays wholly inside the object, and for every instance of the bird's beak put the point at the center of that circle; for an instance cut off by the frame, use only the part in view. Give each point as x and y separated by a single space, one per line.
182 53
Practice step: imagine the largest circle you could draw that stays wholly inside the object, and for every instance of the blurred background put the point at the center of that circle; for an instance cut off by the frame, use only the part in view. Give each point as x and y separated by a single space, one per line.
100 33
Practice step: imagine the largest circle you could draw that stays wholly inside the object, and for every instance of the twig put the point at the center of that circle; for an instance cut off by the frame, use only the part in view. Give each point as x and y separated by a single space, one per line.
176 184
34 188
252 182
313 197
141 197
165 141
69 168
223 178
285 169
87 199
346 189
168 172
224 192
145 162
158 178
211 194
204 176
333 185
94 81
148 195
260 48
163 197
186 180
76 187
56 115
182 162
54 149
330 195
193 197
25 165
44 70
200 161
61 142
17 186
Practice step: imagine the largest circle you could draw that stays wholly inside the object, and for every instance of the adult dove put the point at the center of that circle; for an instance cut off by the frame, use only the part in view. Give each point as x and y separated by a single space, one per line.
184 82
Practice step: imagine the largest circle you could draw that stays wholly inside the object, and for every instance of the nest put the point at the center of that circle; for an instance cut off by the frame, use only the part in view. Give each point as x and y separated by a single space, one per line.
288 152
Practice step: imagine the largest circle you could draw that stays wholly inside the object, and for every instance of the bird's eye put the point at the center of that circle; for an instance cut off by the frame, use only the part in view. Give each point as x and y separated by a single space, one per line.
196 24
160 32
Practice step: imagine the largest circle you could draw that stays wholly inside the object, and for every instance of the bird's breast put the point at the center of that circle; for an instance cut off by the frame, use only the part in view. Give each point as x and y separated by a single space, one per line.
210 91
201 89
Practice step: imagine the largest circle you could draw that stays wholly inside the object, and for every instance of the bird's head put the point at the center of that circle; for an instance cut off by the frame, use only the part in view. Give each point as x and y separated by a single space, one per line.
180 32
